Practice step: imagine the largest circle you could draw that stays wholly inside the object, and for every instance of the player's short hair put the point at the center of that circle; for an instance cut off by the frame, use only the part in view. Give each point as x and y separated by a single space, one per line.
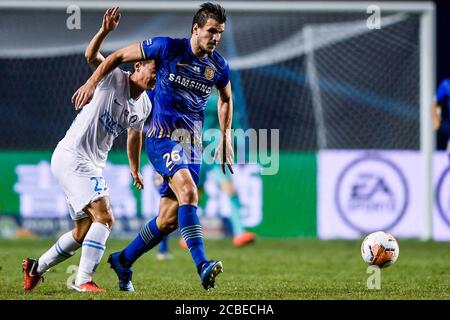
209 10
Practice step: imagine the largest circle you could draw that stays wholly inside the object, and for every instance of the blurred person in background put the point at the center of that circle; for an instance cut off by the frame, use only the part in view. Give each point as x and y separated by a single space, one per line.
440 115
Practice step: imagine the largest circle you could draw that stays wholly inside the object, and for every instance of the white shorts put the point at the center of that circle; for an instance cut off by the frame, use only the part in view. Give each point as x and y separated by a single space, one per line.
79 190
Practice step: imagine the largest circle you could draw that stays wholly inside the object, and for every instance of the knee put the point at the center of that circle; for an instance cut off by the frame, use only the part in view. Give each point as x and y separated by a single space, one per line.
188 194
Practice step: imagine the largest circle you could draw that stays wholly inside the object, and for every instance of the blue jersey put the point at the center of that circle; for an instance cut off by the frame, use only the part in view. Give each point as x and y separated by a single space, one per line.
443 93
183 84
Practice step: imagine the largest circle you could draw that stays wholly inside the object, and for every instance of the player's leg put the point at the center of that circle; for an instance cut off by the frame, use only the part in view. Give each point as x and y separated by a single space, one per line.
163 247
63 249
149 236
153 231
94 243
185 190
69 242
240 236
163 250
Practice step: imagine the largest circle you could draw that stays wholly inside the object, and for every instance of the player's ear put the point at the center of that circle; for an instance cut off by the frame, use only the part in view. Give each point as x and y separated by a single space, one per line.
137 66
194 29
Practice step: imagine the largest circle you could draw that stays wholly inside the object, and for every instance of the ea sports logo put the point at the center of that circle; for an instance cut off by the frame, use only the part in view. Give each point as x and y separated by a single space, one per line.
371 194
443 196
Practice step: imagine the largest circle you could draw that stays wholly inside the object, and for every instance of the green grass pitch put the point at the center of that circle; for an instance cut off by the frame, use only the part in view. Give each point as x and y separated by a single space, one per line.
272 269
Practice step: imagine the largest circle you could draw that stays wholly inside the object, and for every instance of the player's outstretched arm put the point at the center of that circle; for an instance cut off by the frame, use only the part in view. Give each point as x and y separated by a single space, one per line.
134 146
84 94
110 22
225 150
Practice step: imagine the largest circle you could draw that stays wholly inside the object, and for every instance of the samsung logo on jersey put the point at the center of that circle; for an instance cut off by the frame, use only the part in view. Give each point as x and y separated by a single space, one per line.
188 83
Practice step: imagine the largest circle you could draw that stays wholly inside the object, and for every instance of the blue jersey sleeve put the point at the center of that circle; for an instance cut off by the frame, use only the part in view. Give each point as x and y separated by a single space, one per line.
155 48
442 92
224 77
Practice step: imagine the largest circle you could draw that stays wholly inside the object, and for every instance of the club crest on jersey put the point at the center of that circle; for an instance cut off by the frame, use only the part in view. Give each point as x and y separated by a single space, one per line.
209 73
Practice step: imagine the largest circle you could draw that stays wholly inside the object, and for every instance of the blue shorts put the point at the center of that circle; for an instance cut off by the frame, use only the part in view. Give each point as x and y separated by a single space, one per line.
168 156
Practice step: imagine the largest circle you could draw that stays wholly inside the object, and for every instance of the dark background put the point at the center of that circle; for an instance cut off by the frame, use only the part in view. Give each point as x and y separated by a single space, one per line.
443 41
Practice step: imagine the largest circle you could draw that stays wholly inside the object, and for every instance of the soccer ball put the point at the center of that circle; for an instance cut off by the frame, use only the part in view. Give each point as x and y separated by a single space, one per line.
380 249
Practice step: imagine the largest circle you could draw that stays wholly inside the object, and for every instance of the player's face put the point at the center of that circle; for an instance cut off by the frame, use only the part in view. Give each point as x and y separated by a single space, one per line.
208 36
147 75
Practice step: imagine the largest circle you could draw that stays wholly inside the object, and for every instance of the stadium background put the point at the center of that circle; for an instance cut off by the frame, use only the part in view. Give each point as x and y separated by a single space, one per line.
367 82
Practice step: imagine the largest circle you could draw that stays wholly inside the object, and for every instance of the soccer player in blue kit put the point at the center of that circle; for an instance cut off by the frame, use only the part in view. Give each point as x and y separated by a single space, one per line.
187 70
441 106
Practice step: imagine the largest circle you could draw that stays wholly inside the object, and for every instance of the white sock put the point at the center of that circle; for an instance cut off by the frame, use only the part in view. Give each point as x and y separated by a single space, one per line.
92 252
64 248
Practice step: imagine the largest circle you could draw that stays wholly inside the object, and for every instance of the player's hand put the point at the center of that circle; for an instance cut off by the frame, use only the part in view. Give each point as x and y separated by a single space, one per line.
83 95
111 19
225 153
138 181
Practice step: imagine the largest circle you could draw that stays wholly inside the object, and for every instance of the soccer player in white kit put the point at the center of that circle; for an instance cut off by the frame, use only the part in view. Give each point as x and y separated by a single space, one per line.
119 104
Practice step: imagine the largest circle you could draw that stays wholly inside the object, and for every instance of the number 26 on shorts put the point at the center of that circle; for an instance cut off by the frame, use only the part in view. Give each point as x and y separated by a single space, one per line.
172 159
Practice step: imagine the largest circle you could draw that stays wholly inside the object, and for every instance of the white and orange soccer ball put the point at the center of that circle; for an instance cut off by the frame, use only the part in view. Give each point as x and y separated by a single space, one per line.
380 249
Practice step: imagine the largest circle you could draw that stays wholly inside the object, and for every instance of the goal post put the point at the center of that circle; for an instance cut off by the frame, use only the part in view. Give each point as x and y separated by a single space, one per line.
427 88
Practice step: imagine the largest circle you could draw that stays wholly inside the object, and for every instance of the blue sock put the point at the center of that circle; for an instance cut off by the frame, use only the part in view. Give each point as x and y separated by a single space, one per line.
148 237
191 230
164 245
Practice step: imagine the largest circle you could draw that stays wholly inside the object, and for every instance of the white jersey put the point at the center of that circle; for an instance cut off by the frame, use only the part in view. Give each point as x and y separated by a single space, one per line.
110 112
